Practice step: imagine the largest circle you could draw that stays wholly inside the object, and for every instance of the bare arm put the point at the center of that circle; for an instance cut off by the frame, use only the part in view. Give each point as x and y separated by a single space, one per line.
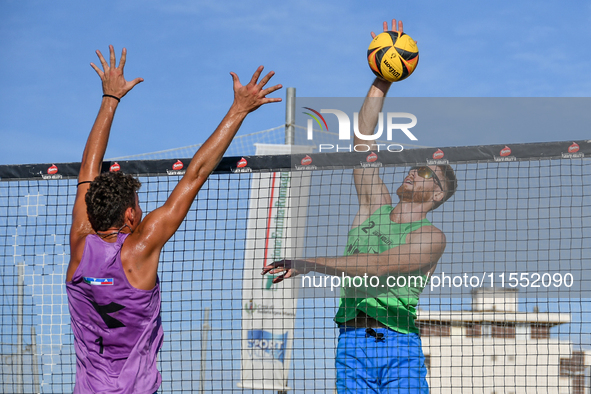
423 249
155 230
371 191
114 84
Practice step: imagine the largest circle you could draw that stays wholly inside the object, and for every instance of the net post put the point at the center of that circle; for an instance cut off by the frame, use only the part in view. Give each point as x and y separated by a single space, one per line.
290 116
289 133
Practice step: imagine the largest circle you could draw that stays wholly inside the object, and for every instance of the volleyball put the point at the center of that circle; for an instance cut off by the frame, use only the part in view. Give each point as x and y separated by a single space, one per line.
393 55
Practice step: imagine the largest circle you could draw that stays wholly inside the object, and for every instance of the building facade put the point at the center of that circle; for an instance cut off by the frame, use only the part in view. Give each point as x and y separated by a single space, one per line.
493 348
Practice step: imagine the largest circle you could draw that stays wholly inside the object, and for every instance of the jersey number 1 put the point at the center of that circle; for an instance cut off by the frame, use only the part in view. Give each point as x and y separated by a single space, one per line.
111 322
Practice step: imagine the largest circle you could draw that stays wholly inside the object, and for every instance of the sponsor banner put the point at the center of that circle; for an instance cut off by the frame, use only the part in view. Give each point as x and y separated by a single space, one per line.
437 158
176 168
505 155
275 231
305 163
242 166
410 157
573 152
266 346
320 161
371 161
52 173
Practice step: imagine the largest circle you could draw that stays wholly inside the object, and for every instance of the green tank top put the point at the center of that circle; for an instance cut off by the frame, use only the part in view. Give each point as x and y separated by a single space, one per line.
393 306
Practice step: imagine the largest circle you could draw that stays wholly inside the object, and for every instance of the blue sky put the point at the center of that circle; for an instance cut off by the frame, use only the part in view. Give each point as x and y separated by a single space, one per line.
49 95
185 50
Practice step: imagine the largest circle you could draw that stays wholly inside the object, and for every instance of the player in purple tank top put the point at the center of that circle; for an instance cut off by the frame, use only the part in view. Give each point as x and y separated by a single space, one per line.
112 279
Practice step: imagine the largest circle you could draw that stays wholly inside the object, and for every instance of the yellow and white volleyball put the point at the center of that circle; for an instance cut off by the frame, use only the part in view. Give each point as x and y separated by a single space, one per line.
393 55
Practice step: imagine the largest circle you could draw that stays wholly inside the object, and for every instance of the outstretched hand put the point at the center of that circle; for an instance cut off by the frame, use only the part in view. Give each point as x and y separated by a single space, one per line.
289 268
251 96
114 82
400 29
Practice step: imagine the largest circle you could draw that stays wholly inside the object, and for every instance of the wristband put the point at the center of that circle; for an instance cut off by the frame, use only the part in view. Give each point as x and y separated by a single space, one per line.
116 98
83 182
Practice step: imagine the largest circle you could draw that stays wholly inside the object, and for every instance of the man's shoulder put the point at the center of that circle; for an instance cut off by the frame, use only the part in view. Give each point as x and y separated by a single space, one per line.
426 226
427 233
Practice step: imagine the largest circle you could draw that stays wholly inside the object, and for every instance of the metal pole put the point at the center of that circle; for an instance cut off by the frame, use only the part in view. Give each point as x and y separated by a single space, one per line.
19 328
34 364
289 132
290 116
204 337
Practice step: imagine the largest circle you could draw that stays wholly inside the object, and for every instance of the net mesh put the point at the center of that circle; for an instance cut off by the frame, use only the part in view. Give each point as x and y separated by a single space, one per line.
528 216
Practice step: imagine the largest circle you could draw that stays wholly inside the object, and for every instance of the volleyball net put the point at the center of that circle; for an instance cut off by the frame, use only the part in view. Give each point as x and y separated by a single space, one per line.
508 308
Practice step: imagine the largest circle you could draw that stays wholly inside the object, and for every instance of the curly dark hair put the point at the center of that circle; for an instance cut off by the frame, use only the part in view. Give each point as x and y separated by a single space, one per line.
109 195
451 184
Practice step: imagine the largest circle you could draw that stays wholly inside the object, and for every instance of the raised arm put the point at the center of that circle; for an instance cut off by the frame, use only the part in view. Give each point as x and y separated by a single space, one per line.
158 226
114 85
371 191
420 253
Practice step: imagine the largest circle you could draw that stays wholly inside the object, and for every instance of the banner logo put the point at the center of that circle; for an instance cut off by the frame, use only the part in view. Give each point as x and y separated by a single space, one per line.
177 168
178 165
573 148
370 161
115 167
437 158
241 166
306 164
573 152
505 155
371 157
264 345
438 154
250 307
51 173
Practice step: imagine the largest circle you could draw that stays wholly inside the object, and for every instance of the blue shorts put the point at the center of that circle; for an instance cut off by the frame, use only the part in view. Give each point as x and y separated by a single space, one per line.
388 363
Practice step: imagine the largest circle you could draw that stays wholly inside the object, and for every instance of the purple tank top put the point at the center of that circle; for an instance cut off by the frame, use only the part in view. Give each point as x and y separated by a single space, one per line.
117 328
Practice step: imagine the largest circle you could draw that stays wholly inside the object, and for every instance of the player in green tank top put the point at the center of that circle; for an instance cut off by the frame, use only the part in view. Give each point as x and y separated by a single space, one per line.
379 348
395 306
